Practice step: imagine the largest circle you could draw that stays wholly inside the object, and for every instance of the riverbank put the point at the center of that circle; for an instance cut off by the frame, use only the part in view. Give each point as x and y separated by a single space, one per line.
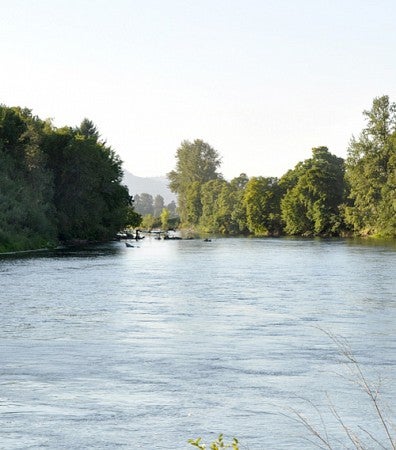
36 250
53 246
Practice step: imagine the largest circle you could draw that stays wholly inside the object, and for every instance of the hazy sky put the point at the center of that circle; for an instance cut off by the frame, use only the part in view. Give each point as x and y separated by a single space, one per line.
261 81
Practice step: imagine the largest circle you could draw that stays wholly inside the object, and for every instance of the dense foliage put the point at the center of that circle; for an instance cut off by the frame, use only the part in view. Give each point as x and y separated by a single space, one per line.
64 184
322 196
145 204
57 184
314 195
371 172
197 163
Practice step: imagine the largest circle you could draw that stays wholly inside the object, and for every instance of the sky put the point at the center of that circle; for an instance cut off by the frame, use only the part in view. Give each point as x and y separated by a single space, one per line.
261 81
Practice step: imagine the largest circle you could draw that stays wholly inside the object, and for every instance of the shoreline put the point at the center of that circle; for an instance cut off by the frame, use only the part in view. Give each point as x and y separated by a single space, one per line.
18 252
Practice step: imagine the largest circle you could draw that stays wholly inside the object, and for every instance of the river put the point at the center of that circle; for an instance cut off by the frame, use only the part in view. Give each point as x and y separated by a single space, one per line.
146 347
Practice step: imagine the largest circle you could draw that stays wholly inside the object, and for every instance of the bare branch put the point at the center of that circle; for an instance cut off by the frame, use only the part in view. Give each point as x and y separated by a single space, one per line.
361 380
373 438
352 437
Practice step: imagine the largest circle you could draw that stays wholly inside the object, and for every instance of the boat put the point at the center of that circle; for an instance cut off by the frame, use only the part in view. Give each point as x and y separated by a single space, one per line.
128 244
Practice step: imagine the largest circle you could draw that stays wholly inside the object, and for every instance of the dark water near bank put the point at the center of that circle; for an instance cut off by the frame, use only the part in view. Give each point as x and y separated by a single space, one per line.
143 348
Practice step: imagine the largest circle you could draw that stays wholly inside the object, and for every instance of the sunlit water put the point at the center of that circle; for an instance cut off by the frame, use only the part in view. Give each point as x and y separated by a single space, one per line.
146 347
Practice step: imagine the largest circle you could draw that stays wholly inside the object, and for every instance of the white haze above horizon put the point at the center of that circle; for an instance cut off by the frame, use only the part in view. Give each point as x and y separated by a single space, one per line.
262 81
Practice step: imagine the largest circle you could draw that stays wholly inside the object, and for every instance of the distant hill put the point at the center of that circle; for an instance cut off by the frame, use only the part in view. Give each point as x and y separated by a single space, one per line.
150 185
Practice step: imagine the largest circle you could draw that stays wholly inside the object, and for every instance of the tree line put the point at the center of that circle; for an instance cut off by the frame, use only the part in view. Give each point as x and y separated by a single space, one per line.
65 184
57 184
154 212
322 196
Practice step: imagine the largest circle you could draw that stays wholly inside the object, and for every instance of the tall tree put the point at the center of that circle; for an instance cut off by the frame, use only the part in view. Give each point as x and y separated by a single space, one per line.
223 210
90 201
262 202
196 163
88 129
57 183
172 208
371 172
26 212
315 192
238 214
190 204
144 204
158 205
165 216
211 219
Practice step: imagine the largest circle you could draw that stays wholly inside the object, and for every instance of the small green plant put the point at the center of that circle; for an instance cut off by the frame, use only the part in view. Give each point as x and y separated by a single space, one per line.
215 445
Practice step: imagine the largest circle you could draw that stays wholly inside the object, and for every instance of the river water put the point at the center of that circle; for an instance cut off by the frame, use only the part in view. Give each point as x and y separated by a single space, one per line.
146 347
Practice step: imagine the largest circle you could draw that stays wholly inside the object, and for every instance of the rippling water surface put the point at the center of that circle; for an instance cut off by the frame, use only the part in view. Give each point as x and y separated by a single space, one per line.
146 347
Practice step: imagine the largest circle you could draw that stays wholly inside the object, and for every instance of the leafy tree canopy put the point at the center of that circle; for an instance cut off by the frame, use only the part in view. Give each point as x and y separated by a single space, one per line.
56 184
315 192
371 172
196 163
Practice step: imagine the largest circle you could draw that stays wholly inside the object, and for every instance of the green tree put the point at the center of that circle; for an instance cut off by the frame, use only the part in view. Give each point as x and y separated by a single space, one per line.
26 213
196 163
57 183
158 205
371 172
90 201
148 221
212 209
238 214
165 215
191 210
262 202
13 128
88 129
225 206
172 208
222 208
134 219
311 204
144 204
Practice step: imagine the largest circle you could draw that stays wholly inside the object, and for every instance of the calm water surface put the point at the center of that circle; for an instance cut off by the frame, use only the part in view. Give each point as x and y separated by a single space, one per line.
143 348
